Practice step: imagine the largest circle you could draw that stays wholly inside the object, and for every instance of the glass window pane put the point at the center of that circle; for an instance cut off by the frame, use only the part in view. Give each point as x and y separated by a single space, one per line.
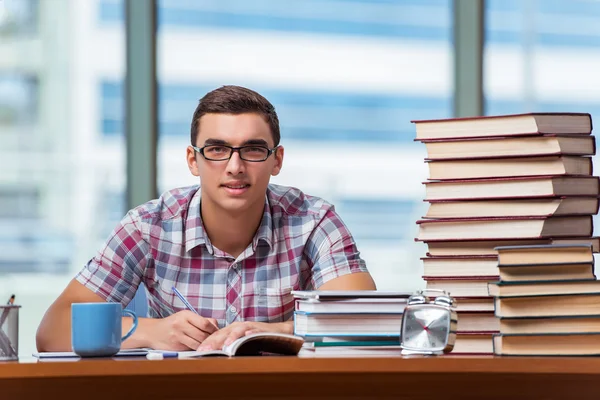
62 180
346 77
542 56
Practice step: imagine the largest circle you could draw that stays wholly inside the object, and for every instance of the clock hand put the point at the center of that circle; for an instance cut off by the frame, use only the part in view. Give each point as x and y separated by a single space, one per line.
426 328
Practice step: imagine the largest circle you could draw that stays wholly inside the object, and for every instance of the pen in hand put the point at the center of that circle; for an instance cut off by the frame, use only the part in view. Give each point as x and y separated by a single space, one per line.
185 302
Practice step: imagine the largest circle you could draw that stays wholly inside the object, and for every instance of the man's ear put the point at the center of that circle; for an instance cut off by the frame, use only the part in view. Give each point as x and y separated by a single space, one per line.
278 155
192 162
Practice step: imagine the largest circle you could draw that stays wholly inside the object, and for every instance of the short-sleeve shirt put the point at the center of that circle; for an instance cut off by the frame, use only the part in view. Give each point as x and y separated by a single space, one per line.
301 243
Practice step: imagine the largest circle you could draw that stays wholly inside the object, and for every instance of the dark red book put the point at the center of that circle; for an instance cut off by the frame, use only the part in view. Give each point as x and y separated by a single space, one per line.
562 123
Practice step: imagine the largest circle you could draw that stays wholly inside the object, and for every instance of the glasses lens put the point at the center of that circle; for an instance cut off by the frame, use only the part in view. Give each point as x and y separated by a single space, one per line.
217 152
254 153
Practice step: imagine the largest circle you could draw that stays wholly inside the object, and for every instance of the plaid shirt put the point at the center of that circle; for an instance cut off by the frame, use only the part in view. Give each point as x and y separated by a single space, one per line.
300 244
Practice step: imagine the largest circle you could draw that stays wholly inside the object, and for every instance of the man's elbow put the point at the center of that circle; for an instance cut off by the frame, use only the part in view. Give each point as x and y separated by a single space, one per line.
41 340
355 281
54 331
52 334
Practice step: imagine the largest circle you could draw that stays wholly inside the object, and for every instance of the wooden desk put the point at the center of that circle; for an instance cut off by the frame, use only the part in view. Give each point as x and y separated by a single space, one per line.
440 378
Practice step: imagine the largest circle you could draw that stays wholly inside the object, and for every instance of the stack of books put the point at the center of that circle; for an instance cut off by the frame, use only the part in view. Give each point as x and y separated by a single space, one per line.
349 322
505 180
547 301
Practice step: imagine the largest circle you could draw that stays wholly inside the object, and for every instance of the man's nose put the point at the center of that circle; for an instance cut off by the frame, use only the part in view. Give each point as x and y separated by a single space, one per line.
235 165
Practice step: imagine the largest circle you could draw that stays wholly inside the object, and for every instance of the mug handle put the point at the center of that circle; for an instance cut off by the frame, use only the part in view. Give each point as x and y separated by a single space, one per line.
133 326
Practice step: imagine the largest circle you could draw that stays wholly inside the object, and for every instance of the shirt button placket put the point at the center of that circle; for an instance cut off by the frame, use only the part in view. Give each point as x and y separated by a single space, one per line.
235 284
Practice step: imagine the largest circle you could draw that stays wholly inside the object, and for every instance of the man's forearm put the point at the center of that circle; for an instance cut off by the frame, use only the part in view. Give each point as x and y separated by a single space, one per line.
281 327
288 327
142 335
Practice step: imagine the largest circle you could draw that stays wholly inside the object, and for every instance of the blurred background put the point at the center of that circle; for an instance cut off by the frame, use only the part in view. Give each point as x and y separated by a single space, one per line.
346 77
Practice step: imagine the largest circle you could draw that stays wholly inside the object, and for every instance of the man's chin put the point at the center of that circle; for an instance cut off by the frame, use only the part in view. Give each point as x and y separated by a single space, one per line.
235 205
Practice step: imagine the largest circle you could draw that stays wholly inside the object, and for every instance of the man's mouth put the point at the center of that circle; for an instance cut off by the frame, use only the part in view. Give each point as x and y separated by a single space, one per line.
236 186
236 189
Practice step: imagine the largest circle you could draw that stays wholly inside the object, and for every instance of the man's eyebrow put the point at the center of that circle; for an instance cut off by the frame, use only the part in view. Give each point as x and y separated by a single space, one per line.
209 142
257 142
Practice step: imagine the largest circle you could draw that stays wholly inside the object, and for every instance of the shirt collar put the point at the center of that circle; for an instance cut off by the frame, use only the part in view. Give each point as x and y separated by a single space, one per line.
195 234
265 229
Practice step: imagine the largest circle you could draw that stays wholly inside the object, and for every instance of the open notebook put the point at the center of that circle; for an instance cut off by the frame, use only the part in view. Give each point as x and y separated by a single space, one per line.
257 344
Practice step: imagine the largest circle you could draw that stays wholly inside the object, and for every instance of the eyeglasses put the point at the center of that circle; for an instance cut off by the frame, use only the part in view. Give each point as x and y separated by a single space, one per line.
223 152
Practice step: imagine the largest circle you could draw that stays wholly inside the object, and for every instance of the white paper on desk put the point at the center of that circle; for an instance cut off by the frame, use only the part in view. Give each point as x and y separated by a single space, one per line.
70 354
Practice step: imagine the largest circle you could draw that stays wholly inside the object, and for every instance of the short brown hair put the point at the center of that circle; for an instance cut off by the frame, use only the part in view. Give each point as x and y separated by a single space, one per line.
235 100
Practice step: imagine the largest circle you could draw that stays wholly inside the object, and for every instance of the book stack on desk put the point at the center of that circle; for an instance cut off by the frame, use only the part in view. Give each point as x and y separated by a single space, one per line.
547 301
504 180
349 322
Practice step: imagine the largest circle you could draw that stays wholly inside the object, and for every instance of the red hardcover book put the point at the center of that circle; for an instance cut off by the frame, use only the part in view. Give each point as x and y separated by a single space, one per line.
512 187
504 228
530 207
505 125
509 167
503 147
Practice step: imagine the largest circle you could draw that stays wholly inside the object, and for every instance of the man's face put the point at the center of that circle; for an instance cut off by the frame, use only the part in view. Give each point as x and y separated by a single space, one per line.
234 185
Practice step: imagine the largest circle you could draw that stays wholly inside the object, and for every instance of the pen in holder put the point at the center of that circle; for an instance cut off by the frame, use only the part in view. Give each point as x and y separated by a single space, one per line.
9 332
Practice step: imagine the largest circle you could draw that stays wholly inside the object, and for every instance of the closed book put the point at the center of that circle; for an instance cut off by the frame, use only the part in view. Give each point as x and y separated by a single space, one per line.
478 303
331 295
477 321
489 247
498 147
543 288
513 187
440 267
352 306
374 342
462 286
473 343
315 325
505 228
548 306
374 346
505 167
377 351
505 125
574 344
556 324
545 254
547 272
540 207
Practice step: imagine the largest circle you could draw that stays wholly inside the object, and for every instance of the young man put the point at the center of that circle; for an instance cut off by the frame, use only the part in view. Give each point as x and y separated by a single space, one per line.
235 246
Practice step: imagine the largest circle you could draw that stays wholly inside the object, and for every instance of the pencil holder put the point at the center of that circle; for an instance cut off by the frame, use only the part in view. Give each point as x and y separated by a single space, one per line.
9 332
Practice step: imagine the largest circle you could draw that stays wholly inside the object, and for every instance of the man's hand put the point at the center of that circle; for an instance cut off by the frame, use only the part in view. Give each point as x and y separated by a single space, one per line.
229 334
184 330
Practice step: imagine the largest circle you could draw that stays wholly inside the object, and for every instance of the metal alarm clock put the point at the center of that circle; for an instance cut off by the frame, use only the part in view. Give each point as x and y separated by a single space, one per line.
428 324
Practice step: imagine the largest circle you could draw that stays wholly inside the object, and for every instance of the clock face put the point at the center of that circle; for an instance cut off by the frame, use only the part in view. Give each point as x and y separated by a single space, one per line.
425 328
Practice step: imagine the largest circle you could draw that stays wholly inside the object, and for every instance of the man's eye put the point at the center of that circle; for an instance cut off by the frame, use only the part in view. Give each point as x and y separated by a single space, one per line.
256 150
216 149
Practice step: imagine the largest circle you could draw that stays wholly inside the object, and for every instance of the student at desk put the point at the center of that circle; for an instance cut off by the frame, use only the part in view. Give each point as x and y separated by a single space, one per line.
234 246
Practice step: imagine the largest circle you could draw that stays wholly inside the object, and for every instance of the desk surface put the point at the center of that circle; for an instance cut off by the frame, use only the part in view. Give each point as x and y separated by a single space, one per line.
301 378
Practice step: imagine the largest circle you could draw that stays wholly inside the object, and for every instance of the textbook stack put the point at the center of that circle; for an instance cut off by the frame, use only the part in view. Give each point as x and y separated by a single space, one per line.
547 301
349 322
506 180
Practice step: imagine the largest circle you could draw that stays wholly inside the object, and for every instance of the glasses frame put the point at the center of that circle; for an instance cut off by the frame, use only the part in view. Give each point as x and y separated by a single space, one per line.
233 150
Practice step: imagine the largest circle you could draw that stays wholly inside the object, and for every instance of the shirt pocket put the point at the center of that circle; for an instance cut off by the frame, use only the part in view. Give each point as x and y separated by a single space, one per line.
275 304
